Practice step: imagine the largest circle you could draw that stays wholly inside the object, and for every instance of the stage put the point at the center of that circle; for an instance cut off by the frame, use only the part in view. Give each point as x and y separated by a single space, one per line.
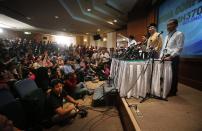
180 113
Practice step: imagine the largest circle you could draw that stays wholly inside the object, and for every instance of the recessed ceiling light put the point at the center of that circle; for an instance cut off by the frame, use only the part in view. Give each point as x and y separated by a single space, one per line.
89 10
104 39
115 21
56 17
28 18
87 33
85 40
98 29
124 39
110 22
27 33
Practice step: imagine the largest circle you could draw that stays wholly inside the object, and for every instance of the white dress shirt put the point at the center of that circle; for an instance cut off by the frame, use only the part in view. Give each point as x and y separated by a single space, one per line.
95 56
130 42
175 42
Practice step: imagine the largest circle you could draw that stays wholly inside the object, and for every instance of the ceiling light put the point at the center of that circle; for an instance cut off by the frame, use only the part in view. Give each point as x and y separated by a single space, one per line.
64 40
27 33
124 39
85 40
115 21
28 18
56 17
110 22
89 10
104 39
1 30
98 30
87 33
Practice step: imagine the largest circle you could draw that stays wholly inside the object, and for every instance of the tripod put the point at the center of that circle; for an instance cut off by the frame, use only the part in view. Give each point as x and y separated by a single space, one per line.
149 95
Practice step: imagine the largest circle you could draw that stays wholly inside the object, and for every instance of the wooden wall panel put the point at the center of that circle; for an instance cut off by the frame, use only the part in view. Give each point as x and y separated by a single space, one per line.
190 72
122 32
138 26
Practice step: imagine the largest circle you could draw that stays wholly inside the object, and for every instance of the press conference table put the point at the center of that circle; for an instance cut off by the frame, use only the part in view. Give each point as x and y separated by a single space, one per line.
132 78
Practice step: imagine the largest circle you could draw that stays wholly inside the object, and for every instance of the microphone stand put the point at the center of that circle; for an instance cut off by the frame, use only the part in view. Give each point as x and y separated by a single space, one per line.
149 95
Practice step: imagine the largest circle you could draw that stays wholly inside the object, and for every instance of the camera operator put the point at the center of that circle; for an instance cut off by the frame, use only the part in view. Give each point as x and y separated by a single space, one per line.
58 111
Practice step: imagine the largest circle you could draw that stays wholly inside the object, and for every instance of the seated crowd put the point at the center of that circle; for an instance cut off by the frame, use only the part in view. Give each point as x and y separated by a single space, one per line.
60 72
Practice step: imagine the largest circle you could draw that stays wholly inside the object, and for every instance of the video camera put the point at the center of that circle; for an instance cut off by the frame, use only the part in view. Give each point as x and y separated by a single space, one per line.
82 112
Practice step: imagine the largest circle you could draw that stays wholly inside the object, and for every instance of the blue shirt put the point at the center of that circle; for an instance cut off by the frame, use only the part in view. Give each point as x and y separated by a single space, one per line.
68 69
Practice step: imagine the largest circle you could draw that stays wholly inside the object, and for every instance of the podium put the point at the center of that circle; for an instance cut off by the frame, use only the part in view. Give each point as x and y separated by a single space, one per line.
128 78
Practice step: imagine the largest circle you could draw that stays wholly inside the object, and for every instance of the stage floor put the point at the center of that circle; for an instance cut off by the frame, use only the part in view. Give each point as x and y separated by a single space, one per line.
180 113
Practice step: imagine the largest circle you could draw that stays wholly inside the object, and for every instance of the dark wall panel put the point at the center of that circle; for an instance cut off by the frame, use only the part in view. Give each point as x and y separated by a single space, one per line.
191 72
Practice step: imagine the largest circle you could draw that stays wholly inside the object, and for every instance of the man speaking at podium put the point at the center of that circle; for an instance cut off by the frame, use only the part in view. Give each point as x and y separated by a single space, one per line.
154 43
172 48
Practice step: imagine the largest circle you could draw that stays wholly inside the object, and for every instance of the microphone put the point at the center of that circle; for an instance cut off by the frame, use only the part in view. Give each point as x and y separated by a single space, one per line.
160 33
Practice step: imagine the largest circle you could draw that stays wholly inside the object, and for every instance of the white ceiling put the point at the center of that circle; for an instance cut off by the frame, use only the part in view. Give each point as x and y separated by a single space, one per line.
8 22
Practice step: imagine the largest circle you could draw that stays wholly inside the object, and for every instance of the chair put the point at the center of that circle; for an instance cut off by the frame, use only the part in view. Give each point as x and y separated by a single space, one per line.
25 87
33 100
12 109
